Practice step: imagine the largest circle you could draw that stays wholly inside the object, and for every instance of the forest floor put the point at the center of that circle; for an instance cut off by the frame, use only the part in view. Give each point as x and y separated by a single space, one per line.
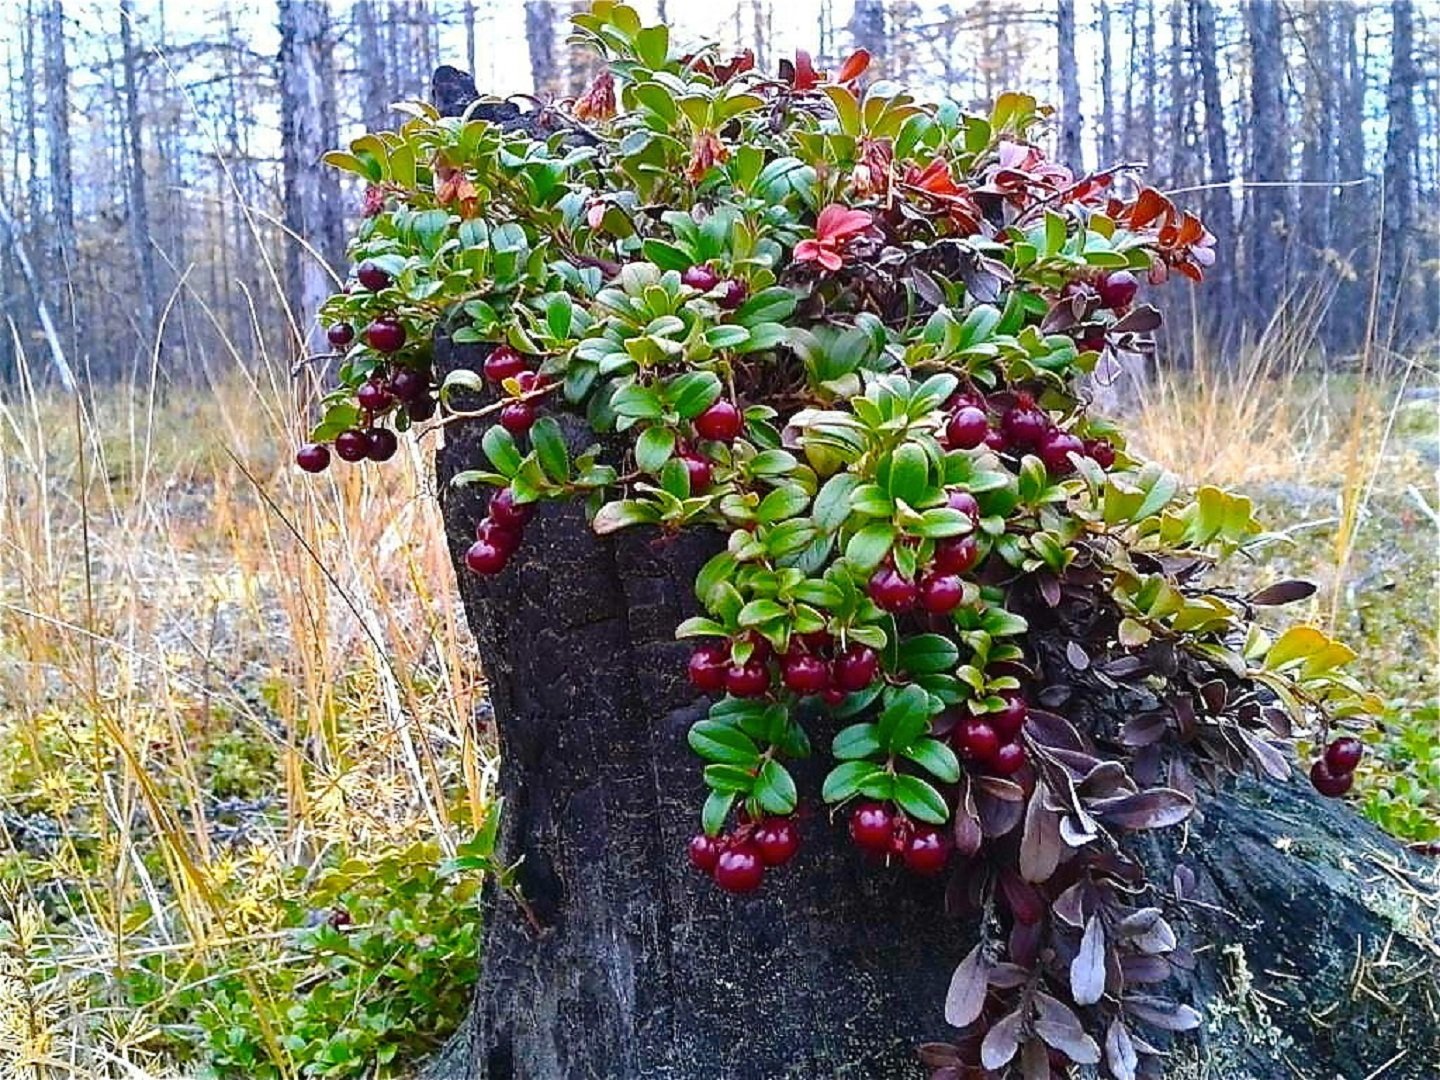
240 762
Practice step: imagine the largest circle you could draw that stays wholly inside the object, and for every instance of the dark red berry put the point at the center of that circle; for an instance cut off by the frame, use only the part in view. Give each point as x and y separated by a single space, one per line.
817 641
517 417
941 593
704 852
707 668
352 445
340 335
739 869
1055 451
927 851
976 740
832 696
506 539
1008 759
956 554
486 558
385 335
751 679
507 512
504 363
855 668
967 428
720 421
383 444
313 457
531 380
1009 720
1330 783
409 385
700 277
1100 452
1024 425
1093 340
421 408
1344 754
891 591
804 673
1117 289
777 839
373 397
995 440
372 277
732 294
871 827
699 470
956 499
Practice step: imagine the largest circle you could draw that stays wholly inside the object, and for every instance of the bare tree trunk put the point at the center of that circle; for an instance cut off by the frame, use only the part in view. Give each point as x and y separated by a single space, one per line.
1148 112
1219 203
141 237
1269 160
57 134
308 129
1108 149
370 52
540 38
867 31
1397 232
1070 146
1179 96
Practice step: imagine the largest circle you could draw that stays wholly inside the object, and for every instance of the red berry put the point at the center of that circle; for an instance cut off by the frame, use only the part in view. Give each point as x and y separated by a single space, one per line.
976 740
927 851
383 444
1055 451
699 470
373 397
855 668
372 277
747 680
503 363
340 335
1117 289
996 441
517 417
707 668
1008 759
720 421
739 869
385 335
871 827
956 499
531 380
1009 720
956 554
777 839
817 641
498 535
1344 754
486 558
704 852
507 513
732 294
422 408
313 457
1100 452
967 428
832 696
1024 425
352 445
409 385
941 593
761 648
1093 340
891 591
805 674
1330 783
700 277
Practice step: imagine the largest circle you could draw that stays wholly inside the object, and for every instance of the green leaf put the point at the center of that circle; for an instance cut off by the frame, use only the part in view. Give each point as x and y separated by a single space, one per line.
832 504
936 758
909 473
654 448
723 743
715 811
692 393
623 513
724 777
559 313
918 799
500 449
856 741
784 502
636 401
757 612
905 718
926 654
871 544
652 46
775 788
667 256
846 780
550 448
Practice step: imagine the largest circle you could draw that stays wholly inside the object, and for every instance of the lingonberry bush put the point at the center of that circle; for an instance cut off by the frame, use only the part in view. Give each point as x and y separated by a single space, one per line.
852 333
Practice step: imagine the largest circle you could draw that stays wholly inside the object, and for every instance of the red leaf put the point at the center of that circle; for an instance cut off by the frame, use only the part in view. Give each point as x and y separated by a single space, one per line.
806 77
854 67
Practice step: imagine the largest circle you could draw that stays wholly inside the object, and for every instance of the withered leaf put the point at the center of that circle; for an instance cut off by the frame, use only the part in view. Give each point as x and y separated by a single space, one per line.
1058 1025
1034 1061
937 1055
1007 976
1120 1051
1140 320
1077 657
965 1000
1160 1013
1087 970
1001 1041
1282 592
1040 845
1269 759
1054 731
1157 808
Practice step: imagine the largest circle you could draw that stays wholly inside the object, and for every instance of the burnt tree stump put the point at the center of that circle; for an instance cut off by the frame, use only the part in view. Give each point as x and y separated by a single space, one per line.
1313 934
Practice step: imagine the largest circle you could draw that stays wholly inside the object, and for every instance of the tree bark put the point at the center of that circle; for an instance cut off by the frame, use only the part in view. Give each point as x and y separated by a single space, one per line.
137 194
624 963
1070 147
1219 203
1401 141
1269 162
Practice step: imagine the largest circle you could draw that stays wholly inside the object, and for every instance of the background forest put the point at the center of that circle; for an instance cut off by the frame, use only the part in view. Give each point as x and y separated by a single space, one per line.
245 761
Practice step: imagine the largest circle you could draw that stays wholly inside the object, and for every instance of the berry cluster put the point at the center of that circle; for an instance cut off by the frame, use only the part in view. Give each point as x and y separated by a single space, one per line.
499 533
1334 771
736 861
991 741
939 589
728 293
1021 427
394 388
511 370
814 664
882 832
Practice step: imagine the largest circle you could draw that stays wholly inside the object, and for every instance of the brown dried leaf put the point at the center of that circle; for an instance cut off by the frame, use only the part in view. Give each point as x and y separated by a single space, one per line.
1040 845
1001 1041
1266 756
1157 808
1087 970
1120 1051
1167 1015
1282 592
965 1000
967 832
1035 1061
1058 1025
